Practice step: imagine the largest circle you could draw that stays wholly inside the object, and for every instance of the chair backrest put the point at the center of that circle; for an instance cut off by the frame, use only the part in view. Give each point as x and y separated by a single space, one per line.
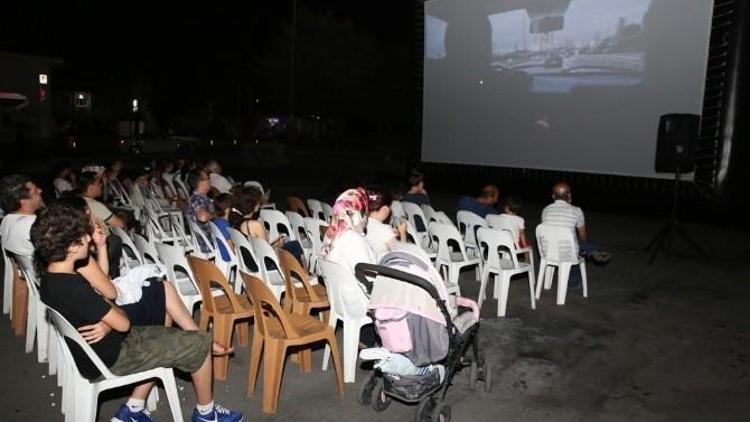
130 252
498 221
468 224
294 272
267 258
397 210
209 277
429 213
255 184
297 222
247 260
494 241
275 223
416 216
181 188
316 209
67 330
445 235
557 244
313 230
344 291
295 204
418 238
266 307
327 211
147 250
174 260
197 233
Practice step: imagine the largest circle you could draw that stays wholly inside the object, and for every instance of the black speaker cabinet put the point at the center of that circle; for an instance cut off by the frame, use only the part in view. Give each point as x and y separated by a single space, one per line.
676 142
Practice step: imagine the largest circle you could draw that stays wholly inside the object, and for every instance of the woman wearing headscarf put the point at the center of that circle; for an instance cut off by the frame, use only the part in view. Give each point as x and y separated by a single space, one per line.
345 242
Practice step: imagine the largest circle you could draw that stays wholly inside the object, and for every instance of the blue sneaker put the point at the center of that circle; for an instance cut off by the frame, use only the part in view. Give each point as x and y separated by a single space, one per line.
125 415
219 414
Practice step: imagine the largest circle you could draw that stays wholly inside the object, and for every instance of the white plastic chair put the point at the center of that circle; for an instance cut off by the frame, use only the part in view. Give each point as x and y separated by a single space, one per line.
348 305
316 209
196 233
228 268
429 248
275 223
429 213
37 326
312 228
247 260
397 211
558 247
468 224
442 217
180 273
491 242
496 221
7 284
131 258
297 222
450 262
267 259
417 219
87 392
327 211
148 252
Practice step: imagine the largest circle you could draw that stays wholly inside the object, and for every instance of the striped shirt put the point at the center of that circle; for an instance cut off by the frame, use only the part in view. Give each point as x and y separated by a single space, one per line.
562 214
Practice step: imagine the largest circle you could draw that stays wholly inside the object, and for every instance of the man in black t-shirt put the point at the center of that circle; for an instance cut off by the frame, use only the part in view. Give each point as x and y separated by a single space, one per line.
61 238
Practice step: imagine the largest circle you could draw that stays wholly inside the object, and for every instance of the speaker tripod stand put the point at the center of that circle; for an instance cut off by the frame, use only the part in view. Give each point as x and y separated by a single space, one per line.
664 241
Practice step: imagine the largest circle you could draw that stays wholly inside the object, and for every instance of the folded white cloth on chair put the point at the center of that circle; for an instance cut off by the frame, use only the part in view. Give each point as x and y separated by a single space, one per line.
129 285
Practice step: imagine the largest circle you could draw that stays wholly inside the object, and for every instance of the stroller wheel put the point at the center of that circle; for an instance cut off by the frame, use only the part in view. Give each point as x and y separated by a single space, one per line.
424 410
473 375
365 391
378 399
441 412
487 376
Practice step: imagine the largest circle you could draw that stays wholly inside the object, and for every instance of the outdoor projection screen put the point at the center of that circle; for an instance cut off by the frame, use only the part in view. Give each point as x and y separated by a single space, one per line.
570 85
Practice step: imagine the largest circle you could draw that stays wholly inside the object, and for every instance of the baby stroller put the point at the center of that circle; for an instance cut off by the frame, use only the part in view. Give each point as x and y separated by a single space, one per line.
425 334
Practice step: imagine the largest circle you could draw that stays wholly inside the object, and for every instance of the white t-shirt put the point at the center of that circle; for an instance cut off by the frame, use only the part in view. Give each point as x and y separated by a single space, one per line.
16 233
220 183
351 248
510 222
562 214
379 234
62 185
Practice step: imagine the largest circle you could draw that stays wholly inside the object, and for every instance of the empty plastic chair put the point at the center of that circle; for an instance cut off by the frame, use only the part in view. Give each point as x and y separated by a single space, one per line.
314 228
147 250
246 258
130 256
276 224
451 254
417 219
316 209
270 268
180 273
327 211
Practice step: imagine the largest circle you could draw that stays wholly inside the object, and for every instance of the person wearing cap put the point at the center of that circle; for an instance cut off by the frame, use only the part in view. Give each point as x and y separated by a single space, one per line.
483 204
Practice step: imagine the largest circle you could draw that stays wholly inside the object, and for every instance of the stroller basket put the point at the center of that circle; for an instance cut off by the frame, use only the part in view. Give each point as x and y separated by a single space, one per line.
412 387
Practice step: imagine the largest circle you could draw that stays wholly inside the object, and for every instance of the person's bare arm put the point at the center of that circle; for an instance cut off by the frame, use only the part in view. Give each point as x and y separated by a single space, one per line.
98 279
582 235
117 319
100 241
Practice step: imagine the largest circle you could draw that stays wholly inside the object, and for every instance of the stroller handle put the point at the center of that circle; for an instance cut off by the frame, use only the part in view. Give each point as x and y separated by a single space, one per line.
363 269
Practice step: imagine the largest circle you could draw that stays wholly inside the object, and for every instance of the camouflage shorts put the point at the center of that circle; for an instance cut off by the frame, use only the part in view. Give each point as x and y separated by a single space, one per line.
149 347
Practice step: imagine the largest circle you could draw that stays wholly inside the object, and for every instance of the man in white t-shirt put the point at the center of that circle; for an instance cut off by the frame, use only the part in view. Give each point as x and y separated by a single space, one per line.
218 181
563 213
21 198
91 188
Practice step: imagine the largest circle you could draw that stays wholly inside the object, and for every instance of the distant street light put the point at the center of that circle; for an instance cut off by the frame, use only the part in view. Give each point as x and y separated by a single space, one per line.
135 105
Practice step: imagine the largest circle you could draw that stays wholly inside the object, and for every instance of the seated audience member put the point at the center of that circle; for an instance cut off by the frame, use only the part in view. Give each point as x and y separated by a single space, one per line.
90 187
511 220
563 213
416 193
382 237
223 206
218 181
62 236
65 179
246 203
482 205
20 198
200 208
111 177
344 241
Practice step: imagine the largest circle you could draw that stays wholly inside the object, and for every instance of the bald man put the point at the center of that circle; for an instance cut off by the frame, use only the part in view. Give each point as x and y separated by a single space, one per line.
563 213
482 205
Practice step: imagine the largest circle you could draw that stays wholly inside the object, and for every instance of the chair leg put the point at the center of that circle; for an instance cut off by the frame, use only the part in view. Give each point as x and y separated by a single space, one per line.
42 334
337 363
351 341
582 265
273 367
170 386
223 336
540 276
332 322
549 274
483 286
31 319
243 332
531 288
502 285
562 283
255 355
